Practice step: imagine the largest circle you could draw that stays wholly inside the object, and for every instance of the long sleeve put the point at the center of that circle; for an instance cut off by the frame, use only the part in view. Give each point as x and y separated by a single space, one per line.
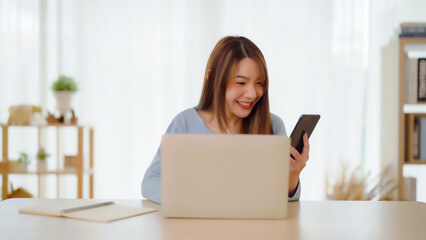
151 183
186 122
296 194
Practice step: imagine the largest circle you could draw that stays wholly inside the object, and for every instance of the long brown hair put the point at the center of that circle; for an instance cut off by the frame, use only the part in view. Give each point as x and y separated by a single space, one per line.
222 64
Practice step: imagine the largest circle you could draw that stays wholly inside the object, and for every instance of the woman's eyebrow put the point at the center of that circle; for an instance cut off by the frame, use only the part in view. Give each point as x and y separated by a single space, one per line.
244 77
241 76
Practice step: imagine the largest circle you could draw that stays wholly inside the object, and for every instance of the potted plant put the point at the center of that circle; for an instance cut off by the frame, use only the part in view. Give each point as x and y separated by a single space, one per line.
23 162
42 159
73 117
64 88
51 118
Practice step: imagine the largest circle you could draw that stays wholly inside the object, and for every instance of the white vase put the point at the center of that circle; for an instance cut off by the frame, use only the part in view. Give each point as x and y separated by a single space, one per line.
22 167
41 165
63 101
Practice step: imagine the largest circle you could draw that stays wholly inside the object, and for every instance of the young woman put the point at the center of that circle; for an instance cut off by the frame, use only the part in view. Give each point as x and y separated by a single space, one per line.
234 100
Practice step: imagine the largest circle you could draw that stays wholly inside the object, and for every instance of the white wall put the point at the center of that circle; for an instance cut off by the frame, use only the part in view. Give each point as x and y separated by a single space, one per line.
139 63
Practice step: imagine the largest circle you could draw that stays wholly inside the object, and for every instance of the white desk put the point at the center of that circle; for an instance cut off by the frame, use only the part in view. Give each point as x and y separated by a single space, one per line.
306 220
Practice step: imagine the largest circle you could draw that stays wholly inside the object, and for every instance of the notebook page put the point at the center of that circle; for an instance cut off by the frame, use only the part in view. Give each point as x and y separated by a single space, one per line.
108 213
56 208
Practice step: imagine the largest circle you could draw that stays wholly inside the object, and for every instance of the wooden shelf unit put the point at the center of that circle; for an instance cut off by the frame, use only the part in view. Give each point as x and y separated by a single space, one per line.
79 170
406 120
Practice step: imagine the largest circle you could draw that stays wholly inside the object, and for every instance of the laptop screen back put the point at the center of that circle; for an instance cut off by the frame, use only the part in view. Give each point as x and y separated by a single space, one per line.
225 176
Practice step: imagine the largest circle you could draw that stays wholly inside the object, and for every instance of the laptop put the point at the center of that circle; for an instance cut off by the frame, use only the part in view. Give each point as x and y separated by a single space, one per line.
225 176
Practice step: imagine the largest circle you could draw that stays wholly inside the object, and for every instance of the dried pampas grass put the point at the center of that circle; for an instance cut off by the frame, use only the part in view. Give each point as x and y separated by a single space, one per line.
351 186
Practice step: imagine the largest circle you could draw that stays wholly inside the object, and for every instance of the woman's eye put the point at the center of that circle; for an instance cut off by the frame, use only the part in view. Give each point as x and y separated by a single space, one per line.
260 83
241 83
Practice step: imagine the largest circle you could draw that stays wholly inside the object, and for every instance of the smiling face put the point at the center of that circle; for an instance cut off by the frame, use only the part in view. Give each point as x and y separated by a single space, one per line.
244 90
235 88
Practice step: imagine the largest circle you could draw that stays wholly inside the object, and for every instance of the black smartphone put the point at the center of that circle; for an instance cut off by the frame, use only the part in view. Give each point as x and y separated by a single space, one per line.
305 124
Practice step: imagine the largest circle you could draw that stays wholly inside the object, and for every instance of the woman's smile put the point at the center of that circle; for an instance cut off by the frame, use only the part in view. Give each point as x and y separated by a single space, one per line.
245 105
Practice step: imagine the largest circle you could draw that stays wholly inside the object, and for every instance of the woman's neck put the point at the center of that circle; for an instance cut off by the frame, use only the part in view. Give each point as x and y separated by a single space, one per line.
235 125
210 119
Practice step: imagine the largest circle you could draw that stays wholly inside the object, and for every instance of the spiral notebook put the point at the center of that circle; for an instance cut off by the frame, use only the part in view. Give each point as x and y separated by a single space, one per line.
87 210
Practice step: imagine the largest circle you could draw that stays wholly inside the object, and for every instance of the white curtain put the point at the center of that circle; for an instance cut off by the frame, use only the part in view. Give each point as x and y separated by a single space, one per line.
139 63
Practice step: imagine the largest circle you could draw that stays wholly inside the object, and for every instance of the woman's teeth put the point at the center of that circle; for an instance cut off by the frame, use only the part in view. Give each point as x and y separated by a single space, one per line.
244 103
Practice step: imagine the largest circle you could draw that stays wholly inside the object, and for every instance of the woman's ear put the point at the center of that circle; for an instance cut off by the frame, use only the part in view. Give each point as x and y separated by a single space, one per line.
208 73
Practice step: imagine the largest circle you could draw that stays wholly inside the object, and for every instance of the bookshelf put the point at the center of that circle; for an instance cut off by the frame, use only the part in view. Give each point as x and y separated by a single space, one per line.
407 117
79 169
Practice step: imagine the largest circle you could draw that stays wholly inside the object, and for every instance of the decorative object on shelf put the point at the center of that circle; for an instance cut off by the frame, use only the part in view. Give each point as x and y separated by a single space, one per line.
21 114
350 186
64 88
51 118
70 162
19 193
37 119
42 159
74 119
61 119
23 162
410 188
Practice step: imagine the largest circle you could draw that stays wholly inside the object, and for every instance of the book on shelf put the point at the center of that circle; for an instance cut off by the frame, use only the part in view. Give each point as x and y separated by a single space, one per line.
422 138
416 139
415 80
413 29
412 24
422 79
86 209
411 80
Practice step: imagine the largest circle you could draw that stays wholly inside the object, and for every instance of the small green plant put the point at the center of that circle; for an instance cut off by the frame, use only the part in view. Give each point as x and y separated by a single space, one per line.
42 155
23 158
72 113
64 83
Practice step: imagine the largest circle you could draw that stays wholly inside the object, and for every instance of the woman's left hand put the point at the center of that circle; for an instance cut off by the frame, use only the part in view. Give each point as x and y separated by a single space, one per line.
297 163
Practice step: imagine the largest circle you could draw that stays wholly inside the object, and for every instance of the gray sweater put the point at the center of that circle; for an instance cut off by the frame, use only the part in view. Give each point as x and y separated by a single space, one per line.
190 122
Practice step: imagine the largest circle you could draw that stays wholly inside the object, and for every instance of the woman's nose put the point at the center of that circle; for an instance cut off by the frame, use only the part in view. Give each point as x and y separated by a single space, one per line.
250 92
